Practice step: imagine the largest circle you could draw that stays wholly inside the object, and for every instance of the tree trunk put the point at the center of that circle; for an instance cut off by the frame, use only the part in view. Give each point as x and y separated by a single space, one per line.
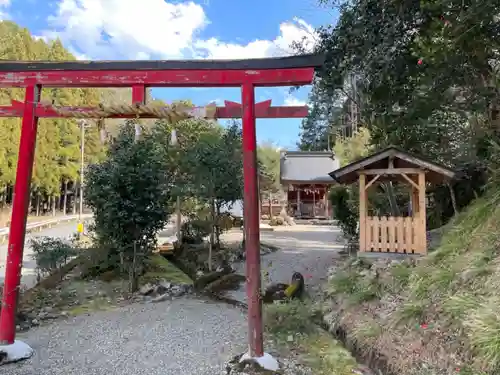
133 274
218 229
270 206
212 238
30 204
284 209
65 199
4 198
37 204
453 198
389 190
476 194
53 202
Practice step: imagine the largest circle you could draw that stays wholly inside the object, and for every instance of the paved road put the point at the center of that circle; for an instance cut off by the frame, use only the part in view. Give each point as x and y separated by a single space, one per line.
63 230
29 276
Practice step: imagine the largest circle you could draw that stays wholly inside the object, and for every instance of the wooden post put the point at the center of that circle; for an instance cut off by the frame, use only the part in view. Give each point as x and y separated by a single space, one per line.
299 210
422 230
314 202
326 202
362 212
415 207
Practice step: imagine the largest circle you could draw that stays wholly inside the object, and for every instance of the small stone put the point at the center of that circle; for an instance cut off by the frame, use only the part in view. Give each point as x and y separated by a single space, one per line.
177 290
35 322
147 289
162 298
166 284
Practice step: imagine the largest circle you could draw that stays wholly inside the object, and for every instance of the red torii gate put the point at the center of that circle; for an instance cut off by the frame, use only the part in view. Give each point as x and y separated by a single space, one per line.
140 75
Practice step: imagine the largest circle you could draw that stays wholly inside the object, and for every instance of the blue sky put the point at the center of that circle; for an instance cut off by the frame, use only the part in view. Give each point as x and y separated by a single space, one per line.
158 29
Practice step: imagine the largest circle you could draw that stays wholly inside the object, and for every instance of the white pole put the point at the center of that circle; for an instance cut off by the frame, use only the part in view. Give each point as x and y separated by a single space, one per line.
82 160
178 224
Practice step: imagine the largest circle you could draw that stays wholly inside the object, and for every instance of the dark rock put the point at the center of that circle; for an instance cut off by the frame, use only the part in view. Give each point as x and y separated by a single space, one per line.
177 291
230 281
207 278
276 292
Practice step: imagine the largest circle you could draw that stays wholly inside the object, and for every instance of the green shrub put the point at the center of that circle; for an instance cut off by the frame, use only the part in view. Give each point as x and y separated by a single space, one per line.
50 254
345 211
130 194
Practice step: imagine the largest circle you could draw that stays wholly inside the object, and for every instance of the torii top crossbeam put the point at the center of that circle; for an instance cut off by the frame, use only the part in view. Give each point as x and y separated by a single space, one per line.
282 71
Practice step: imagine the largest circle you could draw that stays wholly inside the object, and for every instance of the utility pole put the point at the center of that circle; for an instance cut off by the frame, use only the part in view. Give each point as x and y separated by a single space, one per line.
83 123
178 219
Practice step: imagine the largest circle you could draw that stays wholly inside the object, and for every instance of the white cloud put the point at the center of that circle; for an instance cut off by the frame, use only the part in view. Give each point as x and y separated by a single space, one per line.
217 101
291 100
157 29
295 30
4 4
104 29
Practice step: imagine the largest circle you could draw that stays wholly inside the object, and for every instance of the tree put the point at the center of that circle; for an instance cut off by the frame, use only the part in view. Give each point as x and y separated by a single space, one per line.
212 171
57 157
425 73
268 157
129 194
350 149
419 70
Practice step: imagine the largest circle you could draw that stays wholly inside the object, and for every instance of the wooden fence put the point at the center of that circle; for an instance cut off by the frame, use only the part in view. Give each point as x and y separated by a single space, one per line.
393 235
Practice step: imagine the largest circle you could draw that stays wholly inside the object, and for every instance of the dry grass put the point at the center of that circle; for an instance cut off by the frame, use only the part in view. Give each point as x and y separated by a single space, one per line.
441 315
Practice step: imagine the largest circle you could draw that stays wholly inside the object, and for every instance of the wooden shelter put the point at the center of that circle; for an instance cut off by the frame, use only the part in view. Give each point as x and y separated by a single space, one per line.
393 234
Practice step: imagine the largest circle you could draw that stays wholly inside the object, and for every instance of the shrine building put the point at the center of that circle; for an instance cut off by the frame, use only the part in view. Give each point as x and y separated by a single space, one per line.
305 178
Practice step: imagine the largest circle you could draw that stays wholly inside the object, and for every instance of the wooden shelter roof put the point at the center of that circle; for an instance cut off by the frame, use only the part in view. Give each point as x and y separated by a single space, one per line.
435 173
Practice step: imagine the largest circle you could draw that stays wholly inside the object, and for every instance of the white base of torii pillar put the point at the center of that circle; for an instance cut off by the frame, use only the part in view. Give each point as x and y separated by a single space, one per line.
15 352
266 362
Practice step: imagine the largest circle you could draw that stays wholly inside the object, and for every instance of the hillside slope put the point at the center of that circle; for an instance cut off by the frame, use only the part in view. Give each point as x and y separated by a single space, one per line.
437 315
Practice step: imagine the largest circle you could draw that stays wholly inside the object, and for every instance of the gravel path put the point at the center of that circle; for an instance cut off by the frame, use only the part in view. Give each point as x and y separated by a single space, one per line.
180 337
185 336
308 249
